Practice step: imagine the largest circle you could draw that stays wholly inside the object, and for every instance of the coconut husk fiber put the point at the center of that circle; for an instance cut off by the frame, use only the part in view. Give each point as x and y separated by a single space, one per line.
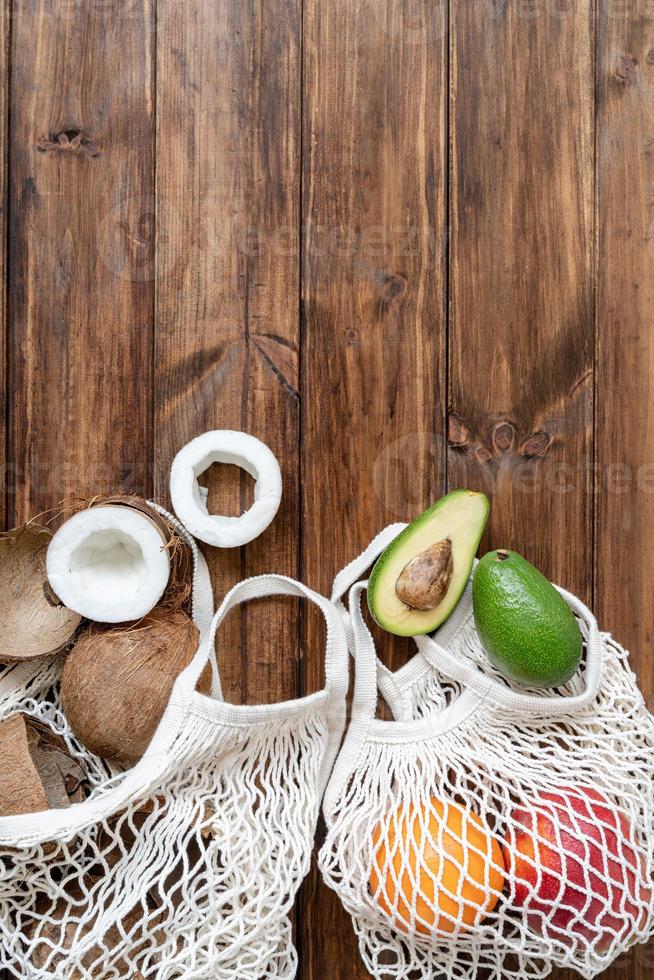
117 681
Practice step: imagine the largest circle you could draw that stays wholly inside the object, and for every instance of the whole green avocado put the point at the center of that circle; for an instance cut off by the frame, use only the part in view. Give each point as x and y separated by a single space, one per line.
525 626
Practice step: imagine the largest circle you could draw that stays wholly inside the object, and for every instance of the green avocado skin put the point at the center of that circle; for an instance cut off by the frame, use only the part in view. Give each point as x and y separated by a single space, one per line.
525 626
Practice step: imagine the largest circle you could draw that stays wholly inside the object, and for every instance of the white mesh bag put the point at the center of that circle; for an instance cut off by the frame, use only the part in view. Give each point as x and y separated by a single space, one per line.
502 834
416 688
187 865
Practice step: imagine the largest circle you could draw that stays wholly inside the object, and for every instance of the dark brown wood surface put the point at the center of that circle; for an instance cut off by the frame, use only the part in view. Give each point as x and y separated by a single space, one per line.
408 244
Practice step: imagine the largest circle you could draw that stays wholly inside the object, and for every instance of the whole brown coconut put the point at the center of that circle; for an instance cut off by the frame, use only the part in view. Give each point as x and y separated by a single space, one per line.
117 681
32 623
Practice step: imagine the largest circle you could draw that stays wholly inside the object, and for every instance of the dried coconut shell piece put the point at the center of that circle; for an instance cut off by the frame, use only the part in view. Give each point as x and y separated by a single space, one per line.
37 771
33 623
117 682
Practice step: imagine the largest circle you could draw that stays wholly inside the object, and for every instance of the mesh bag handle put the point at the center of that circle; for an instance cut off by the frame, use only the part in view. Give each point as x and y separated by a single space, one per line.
367 664
389 687
392 684
367 683
202 601
355 569
455 668
474 679
262 586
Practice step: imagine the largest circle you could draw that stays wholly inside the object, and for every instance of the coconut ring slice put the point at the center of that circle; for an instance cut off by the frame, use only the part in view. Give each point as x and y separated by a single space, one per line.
190 499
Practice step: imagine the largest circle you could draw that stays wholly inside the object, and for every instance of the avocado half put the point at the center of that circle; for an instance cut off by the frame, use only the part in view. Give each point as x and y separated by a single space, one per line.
449 533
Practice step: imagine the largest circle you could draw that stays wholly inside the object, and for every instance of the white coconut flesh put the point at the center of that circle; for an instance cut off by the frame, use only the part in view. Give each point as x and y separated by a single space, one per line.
190 499
109 563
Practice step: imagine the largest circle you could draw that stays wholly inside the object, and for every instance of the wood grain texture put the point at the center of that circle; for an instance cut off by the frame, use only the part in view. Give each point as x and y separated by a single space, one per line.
625 422
373 363
521 276
227 338
234 214
80 298
625 349
5 461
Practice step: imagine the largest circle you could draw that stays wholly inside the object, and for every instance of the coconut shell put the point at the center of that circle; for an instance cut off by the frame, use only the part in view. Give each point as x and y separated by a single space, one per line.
117 681
52 929
37 772
32 622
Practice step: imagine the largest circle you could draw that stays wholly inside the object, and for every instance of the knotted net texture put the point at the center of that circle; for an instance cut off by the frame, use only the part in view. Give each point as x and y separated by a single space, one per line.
417 688
187 865
486 837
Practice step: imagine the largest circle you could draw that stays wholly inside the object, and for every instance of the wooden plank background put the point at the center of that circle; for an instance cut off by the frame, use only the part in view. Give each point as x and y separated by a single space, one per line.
409 244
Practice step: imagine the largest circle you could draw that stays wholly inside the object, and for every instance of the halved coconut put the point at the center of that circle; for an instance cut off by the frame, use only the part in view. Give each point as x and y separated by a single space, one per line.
110 562
32 623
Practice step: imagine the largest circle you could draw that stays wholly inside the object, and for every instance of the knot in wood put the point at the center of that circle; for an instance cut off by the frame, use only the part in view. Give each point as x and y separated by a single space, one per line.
482 455
68 141
391 292
458 432
503 436
536 444
626 69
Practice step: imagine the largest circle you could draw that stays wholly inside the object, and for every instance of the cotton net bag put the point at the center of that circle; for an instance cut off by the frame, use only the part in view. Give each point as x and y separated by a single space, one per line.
416 688
497 832
187 865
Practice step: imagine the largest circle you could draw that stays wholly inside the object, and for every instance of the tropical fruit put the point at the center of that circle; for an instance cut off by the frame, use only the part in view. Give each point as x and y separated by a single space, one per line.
419 578
117 681
575 868
525 626
437 868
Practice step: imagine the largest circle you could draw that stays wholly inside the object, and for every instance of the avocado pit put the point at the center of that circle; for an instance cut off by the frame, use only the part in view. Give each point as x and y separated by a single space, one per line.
424 581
